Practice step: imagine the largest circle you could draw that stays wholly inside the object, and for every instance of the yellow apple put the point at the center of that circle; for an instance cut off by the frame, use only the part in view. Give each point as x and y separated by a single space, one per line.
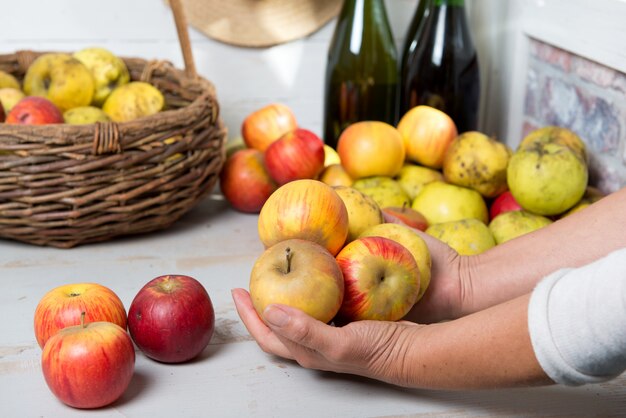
479 162
547 178
466 236
9 97
384 190
84 115
556 135
305 209
443 202
413 177
60 78
335 175
132 101
513 224
413 242
108 70
8 80
363 211
371 148
298 273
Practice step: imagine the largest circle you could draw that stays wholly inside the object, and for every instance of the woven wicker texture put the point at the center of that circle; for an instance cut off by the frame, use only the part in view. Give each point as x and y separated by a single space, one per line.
65 185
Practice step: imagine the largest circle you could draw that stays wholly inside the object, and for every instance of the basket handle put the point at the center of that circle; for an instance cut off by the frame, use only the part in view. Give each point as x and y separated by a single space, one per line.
183 37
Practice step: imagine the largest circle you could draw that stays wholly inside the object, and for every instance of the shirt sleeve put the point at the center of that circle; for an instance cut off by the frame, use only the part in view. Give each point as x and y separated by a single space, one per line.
577 321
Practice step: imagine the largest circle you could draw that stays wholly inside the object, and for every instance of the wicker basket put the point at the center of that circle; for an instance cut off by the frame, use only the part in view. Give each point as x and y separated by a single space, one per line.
65 185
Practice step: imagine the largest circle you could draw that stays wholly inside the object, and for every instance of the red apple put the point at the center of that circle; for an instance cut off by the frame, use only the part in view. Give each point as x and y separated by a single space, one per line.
381 279
305 209
298 273
427 134
245 182
505 202
62 307
299 154
89 365
264 126
408 216
171 319
32 110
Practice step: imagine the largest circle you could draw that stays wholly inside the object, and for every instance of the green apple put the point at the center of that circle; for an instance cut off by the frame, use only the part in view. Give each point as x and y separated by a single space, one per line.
9 97
513 224
8 80
60 78
413 177
84 115
466 236
108 70
384 190
443 202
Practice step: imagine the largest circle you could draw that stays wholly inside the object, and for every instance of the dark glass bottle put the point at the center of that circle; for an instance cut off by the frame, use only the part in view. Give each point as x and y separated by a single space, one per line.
440 65
362 78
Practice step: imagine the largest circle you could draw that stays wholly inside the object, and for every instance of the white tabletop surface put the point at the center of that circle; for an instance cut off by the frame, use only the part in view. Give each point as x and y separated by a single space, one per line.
233 377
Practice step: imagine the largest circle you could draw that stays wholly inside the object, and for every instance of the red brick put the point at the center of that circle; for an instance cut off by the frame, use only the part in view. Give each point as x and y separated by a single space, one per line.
551 55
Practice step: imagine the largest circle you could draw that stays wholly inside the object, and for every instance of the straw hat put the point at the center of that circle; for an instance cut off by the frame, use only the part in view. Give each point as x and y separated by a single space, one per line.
259 23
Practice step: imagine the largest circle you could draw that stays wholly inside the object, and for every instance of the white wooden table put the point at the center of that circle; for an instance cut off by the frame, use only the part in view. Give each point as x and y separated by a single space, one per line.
233 377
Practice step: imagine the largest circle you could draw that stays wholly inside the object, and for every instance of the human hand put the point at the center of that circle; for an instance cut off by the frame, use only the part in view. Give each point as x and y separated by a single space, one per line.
446 295
375 349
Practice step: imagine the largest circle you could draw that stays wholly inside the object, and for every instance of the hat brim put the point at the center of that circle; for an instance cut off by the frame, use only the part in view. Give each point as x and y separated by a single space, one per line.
259 23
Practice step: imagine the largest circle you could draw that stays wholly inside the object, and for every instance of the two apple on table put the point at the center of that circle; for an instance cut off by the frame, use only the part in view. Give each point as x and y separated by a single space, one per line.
88 357
88 86
274 151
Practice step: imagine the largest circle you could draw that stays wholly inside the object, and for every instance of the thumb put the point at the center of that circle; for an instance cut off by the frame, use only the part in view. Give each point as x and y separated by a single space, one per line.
298 327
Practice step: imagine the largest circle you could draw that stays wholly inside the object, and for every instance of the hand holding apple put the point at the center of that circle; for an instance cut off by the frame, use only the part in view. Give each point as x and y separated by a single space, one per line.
88 365
63 306
171 319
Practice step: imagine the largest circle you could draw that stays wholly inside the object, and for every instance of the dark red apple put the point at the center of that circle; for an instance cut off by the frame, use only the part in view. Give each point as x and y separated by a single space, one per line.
171 319
408 215
33 110
297 155
245 182
505 202
2 114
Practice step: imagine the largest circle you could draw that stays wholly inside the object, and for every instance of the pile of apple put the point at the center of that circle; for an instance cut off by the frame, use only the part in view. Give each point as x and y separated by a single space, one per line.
88 357
88 86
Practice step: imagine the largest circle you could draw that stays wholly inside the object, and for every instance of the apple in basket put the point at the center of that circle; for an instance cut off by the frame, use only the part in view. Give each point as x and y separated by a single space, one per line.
32 110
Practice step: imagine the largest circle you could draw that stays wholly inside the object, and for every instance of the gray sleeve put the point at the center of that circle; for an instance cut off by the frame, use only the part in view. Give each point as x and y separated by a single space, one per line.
577 321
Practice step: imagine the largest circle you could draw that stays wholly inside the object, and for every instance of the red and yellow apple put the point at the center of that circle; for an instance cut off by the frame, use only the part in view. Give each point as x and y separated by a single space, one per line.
298 273
298 154
245 182
62 307
381 280
305 209
408 216
264 126
89 365
33 110
171 319
371 148
427 133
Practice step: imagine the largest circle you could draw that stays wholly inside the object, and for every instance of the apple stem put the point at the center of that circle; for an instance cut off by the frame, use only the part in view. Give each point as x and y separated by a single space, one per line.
82 319
288 255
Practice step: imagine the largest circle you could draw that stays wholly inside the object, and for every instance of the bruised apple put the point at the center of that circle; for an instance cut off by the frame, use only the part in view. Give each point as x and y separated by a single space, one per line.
62 307
381 280
427 133
305 209
89 365
298 154
371 148
264 126
298 273
245 182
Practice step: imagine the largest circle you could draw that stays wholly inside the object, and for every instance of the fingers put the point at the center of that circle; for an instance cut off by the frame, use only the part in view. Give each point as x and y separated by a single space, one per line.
264 336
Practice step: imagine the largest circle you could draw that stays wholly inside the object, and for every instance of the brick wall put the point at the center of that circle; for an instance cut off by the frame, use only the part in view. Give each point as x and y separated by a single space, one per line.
567 90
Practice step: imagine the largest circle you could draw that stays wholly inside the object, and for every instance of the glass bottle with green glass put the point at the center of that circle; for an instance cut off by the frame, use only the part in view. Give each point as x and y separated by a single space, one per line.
362 77
439 63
